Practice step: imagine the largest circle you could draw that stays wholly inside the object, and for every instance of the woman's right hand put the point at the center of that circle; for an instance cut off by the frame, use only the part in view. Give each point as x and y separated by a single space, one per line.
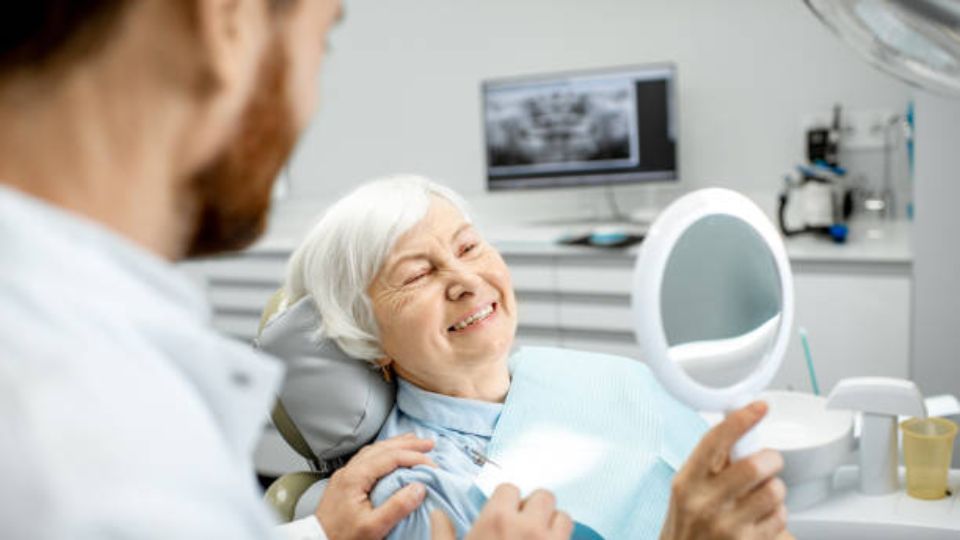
713 498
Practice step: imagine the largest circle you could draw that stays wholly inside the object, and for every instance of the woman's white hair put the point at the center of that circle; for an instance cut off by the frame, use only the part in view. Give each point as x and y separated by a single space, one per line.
342 254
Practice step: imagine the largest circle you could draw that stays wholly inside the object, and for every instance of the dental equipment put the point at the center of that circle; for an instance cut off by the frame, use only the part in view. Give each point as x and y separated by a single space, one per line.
880 399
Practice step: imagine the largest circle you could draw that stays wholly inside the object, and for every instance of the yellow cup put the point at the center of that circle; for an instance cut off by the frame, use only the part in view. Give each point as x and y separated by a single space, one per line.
927 450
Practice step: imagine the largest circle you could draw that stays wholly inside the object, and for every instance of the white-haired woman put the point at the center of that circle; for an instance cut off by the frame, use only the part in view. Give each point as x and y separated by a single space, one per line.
403 279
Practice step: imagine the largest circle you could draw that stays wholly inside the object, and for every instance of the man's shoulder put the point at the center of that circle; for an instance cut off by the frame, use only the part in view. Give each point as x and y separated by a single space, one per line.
72 387
90 448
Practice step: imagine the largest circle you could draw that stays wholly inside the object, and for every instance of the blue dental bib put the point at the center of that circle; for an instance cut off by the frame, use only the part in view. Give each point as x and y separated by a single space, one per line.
596 430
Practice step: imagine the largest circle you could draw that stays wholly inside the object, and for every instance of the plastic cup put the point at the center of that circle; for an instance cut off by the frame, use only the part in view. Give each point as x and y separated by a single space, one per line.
927 450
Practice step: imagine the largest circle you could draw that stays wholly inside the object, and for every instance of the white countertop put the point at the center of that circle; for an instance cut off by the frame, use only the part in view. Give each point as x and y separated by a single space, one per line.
848 514
886 242
883 242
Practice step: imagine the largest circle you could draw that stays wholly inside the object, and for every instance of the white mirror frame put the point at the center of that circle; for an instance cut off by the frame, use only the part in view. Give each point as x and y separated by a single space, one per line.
648 278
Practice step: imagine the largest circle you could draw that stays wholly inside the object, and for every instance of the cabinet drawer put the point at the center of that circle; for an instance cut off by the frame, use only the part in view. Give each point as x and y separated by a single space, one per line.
596 312
532 278
538 309
537 337
616 280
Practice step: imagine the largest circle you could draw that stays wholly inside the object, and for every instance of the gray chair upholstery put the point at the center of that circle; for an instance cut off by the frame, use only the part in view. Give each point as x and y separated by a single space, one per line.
330 405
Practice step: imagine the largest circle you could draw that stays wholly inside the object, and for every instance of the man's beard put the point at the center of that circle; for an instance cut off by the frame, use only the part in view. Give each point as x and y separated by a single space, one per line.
229 198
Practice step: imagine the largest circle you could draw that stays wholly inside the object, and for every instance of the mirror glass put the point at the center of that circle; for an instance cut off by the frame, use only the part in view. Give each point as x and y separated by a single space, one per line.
721 300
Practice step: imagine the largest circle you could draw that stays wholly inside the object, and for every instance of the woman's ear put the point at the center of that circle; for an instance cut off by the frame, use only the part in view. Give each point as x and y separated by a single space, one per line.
386 368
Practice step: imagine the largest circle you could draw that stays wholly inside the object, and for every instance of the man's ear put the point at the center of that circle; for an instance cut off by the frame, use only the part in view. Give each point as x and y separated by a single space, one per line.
232 36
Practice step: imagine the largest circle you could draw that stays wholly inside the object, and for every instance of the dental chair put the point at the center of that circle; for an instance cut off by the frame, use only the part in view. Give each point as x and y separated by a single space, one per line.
330 405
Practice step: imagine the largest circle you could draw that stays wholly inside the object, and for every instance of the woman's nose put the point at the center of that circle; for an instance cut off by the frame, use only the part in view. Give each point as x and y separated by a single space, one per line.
462 283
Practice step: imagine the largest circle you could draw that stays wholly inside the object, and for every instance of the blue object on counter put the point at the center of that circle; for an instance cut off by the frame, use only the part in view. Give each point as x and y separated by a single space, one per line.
819 165
838 232
607 238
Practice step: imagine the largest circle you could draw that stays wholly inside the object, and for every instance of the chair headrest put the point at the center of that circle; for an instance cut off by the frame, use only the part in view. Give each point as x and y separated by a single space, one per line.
338 403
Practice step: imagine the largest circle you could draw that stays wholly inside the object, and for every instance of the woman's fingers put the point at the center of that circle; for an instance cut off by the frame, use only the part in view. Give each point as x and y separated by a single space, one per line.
746 474
760 503
773 525
713 451
743 499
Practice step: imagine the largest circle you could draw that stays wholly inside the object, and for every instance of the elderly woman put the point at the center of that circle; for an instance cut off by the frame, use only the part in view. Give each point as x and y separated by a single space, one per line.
404 280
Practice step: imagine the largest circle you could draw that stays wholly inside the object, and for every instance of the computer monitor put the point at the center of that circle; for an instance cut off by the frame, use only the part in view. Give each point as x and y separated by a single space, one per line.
599 127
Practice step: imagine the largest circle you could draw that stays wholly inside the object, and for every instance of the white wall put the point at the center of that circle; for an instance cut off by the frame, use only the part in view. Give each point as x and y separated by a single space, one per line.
401 87
936 266
935 363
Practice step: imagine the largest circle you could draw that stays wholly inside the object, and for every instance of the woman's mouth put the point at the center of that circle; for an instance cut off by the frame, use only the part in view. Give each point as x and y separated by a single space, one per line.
474 319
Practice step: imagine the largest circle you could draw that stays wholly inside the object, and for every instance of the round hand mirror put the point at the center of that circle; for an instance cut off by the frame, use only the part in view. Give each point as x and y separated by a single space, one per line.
713 301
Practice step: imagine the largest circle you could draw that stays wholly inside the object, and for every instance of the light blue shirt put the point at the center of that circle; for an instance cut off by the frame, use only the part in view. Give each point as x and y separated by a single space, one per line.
460 427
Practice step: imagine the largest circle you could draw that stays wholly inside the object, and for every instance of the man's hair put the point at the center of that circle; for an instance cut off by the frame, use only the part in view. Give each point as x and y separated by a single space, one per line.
44 35
48 35
341 255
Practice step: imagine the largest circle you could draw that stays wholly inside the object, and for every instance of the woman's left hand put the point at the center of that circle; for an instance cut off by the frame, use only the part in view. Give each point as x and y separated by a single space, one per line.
713 498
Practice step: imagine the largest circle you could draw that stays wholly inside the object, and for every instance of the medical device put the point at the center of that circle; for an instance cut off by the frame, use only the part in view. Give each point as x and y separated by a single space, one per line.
599 127
914 40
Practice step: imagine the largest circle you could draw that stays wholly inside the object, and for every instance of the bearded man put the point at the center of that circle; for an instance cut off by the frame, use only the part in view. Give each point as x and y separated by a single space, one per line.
135 133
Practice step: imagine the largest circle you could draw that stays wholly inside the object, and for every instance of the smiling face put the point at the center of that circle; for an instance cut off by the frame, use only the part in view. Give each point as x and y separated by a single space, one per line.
445 307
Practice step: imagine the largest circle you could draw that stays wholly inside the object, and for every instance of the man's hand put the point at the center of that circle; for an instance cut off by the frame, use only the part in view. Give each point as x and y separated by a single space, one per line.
505 517
345 511
713 498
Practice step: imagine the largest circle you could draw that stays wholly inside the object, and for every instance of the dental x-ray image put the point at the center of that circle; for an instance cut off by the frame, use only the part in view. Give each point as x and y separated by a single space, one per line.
562 126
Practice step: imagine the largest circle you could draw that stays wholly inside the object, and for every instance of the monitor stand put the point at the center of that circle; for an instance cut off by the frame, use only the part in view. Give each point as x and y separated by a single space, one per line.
615 217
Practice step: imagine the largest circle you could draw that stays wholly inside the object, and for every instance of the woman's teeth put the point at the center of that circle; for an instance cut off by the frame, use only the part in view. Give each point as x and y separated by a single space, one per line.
475 318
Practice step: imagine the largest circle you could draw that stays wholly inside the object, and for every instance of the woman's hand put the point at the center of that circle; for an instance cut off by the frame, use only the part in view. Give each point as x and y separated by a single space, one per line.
713 498
506 517
345 511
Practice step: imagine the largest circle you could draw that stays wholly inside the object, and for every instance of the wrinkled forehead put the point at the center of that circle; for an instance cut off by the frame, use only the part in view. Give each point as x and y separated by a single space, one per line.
442 222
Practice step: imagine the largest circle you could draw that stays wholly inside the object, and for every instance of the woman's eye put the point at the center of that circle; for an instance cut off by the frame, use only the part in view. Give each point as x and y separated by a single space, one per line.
467 249
416 277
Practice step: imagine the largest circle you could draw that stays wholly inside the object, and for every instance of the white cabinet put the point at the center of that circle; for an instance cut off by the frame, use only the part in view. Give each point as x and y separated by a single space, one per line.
858 321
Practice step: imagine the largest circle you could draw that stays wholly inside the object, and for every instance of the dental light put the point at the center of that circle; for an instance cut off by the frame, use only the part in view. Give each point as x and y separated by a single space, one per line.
917 41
